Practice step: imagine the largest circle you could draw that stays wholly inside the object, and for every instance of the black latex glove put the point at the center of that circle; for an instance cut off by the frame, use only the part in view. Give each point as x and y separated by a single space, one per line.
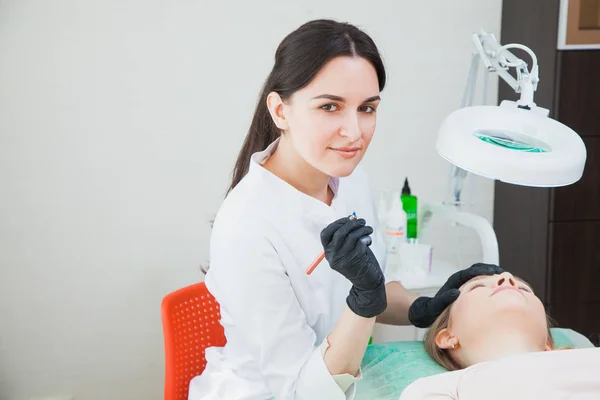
424 310
352 258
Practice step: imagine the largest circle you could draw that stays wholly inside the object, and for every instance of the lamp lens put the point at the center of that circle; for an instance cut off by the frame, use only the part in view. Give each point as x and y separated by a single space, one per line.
512 141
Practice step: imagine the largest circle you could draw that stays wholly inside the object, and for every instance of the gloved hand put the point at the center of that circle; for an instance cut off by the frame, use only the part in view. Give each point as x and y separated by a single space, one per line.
352 258
424 310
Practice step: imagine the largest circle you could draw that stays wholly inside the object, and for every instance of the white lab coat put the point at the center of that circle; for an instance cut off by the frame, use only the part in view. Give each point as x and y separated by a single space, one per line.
265 235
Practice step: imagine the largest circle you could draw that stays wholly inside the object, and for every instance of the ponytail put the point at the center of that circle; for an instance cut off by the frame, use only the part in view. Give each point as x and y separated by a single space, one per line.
262 133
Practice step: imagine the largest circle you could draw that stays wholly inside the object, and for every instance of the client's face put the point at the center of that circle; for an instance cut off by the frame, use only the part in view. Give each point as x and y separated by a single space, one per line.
498 305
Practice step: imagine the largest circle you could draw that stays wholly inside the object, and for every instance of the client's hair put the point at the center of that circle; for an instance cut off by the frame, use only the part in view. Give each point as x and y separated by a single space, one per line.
442 356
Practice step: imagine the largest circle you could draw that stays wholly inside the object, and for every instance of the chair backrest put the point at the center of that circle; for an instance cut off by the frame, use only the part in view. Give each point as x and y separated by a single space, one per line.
190 319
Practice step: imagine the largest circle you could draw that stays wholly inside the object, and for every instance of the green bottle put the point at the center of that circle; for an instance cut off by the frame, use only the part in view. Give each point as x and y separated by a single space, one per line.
409 204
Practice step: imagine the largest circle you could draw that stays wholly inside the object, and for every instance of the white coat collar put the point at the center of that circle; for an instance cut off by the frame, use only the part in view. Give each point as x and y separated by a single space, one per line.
292 197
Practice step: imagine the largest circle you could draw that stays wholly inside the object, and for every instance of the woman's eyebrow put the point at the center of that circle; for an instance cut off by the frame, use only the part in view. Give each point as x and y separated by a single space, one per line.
342 100
330 97
372 98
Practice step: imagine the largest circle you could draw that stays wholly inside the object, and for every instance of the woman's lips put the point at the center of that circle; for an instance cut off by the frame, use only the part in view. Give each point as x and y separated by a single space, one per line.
347 152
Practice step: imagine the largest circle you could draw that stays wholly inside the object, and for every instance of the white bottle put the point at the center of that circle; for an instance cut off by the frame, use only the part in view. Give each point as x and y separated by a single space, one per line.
382 209
395 233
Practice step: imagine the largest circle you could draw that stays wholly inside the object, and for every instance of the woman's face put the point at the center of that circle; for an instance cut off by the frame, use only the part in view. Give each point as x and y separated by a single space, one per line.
498 302
331 121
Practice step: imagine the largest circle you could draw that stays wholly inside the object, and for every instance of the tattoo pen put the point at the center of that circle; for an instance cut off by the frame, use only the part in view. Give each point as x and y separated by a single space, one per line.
365 239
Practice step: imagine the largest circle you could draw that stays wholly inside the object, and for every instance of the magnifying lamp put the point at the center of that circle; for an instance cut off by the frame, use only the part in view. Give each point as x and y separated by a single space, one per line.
515 142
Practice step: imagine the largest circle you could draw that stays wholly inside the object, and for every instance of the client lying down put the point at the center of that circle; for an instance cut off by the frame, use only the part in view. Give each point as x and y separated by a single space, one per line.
496 342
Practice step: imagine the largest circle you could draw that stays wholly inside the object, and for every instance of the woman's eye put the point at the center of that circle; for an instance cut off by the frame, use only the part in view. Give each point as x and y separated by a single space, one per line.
367 109
525 288
329 107
477 285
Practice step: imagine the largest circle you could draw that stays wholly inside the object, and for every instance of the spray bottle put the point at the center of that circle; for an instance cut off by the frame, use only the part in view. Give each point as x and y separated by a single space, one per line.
409 204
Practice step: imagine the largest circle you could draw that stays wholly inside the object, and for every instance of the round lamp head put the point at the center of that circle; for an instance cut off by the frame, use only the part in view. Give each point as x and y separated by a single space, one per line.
513 145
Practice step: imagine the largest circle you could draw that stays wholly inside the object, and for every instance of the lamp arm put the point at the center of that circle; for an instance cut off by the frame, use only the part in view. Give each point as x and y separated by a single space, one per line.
497 58
487 236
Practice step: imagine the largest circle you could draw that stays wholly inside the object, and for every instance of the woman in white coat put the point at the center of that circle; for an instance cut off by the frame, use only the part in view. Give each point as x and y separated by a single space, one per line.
296 181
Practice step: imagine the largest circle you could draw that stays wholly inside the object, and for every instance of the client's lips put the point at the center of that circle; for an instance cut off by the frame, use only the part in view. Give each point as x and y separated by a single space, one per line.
501 288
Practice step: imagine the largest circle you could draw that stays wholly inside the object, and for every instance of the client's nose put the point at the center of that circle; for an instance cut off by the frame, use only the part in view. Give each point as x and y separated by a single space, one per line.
506 279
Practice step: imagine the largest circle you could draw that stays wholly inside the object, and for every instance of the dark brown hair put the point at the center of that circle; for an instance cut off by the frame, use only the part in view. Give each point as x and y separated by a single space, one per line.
298 58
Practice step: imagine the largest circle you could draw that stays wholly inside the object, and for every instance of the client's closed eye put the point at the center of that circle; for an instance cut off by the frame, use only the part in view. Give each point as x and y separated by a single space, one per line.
522 287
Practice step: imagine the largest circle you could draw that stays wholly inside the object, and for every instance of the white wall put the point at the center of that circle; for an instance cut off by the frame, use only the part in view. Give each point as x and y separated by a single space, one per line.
119 125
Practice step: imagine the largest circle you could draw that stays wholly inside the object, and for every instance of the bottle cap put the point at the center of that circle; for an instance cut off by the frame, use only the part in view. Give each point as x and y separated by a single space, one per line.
406 188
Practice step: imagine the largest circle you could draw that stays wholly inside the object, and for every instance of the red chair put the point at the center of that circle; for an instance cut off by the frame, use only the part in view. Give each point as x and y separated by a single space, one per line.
190 320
